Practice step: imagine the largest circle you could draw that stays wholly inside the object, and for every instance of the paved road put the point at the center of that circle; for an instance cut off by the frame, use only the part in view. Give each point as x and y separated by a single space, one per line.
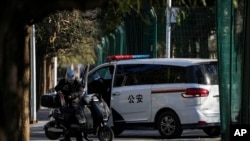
37 133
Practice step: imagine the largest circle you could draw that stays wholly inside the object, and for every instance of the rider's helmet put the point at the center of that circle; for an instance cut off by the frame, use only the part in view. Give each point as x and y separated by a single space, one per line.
70 76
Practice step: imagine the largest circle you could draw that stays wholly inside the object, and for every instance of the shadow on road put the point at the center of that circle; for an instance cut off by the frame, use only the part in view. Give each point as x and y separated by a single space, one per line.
37 132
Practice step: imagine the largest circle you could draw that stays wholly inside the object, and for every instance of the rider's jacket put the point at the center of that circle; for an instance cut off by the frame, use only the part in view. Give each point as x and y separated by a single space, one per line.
75 90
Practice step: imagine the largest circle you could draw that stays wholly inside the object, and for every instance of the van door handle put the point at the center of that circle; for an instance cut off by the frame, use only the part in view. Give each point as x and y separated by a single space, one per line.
116 94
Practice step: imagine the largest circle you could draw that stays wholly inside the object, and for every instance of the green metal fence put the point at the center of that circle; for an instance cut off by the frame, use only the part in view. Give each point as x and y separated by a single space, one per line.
233 55
136 35
190 38
145 33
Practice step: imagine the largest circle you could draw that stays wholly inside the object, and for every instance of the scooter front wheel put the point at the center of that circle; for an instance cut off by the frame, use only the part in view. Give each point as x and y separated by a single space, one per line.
105 133
49 134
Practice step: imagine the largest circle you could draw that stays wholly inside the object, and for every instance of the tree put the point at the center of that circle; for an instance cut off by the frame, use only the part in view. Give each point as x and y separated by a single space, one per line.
71 36
16 17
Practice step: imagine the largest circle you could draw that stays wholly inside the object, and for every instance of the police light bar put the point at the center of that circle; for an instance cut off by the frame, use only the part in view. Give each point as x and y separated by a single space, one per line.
124 57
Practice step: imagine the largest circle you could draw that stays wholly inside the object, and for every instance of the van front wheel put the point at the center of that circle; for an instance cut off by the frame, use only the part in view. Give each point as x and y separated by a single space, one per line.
169 125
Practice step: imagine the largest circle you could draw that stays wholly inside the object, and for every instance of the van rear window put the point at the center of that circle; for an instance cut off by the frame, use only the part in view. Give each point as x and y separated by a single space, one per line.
205 73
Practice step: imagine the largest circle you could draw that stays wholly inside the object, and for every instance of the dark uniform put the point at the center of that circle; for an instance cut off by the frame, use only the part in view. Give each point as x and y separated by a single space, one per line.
72 92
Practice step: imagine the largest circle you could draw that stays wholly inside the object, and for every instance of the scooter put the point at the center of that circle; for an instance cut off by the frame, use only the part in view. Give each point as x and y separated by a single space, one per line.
93 109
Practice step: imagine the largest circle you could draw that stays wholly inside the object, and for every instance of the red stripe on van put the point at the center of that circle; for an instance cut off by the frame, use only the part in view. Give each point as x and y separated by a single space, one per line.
167 91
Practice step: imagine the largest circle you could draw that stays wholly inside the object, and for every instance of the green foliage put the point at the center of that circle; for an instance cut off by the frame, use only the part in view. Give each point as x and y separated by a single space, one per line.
114 12
73 35
70 35
81 52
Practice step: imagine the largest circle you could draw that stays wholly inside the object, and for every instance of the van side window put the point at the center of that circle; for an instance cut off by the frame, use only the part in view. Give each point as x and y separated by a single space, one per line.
103 75
142 74
135 74
179 74
168 74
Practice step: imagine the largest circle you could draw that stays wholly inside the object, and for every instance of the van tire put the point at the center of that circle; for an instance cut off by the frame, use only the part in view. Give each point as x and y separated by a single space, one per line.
169 125
212 131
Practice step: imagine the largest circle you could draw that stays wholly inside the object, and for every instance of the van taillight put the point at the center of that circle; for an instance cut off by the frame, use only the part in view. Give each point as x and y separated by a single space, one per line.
202 123
195 92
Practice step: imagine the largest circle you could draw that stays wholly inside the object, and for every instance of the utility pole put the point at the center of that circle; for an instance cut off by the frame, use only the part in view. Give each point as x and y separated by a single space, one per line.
33 118
55 71
168 28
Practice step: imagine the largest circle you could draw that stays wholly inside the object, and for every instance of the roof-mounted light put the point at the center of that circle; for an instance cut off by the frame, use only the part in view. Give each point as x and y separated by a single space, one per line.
124 57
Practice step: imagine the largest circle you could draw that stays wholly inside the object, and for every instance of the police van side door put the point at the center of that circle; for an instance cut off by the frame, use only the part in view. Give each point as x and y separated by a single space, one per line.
131 94
100 81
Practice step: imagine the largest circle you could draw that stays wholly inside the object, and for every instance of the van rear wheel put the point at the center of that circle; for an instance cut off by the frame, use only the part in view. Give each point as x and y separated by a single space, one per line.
169 125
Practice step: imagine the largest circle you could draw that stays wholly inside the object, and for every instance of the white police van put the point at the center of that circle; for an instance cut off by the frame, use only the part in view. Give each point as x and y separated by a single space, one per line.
165 94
